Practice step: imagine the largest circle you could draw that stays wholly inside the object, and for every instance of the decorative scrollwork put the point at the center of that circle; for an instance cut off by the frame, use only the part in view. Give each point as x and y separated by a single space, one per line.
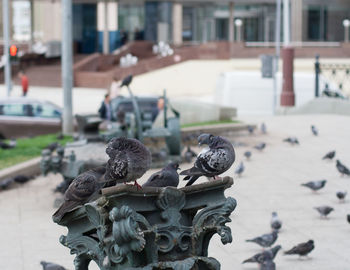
126 232
171 201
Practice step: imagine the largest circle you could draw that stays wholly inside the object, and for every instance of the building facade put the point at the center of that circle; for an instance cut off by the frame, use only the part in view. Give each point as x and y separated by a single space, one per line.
106 25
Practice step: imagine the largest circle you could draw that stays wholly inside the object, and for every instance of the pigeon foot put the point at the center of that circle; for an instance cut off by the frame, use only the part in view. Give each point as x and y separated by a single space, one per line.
137 185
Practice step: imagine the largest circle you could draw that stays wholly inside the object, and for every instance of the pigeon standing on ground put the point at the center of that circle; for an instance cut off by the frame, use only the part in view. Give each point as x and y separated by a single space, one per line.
189 154
324 210
51 266
167 177
342 169
329 155
302 249
9 145
291 140
128 160
276 223
21 179
266 255
314 130
341 195
83 189
268 265
260 146
315 185
240 169
4 184
263 128
265 240
250 129
248 154
212 161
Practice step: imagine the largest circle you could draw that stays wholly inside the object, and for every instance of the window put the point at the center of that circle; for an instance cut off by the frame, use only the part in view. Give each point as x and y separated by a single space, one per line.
45 110
13 109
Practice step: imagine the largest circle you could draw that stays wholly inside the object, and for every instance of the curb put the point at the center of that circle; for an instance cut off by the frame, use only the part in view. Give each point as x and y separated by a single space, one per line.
28 168
216 129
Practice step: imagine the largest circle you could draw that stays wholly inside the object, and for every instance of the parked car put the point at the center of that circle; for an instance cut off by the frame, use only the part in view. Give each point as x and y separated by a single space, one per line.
26 117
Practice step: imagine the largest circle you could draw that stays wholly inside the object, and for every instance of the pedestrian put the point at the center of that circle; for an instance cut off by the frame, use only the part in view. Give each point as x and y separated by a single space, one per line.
105 109
24 82
114 88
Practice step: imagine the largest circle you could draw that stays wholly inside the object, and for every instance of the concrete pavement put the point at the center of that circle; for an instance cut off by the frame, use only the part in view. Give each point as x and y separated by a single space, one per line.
271 182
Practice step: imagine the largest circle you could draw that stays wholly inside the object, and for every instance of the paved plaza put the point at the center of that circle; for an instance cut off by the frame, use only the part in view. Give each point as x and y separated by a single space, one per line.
271 182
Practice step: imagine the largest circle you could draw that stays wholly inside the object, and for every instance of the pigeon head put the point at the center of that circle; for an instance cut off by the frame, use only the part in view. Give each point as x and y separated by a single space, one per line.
205 138
278 247
310 242
274 214
323 182
338 161
174 166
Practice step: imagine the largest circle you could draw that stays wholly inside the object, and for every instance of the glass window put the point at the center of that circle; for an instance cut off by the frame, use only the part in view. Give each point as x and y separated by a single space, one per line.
13 109
45 110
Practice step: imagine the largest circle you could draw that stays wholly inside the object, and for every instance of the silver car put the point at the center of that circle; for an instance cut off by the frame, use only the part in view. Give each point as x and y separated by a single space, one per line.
26 117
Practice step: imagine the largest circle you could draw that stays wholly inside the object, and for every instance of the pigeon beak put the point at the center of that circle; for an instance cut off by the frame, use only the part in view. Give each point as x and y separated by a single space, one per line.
178 169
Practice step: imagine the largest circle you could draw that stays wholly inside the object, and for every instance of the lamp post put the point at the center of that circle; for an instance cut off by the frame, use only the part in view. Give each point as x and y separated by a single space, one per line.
346 24
6 31
238 23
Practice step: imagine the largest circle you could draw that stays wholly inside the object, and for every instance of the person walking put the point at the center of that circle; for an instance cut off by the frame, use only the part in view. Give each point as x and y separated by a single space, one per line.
24 83
105 109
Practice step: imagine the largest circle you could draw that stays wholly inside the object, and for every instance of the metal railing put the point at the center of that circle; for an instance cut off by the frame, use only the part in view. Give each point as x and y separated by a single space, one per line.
335 78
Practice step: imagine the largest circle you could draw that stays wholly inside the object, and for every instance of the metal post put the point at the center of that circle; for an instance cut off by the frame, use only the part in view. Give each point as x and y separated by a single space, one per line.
277 56
286 23
317 75
67 63
137 113
105 29
31 24
6 30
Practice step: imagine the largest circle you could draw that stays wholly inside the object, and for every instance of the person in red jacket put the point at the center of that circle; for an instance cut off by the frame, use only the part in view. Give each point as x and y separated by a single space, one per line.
24 82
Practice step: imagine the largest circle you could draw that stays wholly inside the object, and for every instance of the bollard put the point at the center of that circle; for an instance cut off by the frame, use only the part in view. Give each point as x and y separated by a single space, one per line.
287 95
317 75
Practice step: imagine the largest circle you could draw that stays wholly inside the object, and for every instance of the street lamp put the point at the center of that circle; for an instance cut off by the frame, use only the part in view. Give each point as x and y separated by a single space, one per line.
346 24
238 23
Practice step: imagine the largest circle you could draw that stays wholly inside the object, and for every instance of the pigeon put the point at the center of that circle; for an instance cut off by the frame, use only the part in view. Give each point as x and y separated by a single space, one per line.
260 146
211 161
324 210
4 184
291 140
314 130
250 129
51 266
52 146
276 223
167 177
239 170
189 154
126 81
9 145
329 155
128 160
263 128
341 195
268 254
265 240
302 249
268 265
342 169
315 185
83 189
21 179
348 218
248 154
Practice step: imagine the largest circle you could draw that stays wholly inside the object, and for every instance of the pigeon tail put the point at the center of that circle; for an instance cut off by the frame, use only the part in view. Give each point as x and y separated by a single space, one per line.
191 179
191 172
66 207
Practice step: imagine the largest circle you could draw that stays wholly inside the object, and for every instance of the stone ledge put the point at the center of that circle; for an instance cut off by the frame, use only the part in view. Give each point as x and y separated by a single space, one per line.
28 168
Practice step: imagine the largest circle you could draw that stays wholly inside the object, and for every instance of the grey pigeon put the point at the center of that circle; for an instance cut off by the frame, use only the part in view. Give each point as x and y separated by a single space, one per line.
263 128
248 154
4 184
341 195
265 240
315 185
240 169
212 161
291 140
51 266
126 81
260 146
314 130
266 255
329 155
167 177
268 265
21 179
83 189
302 249
189 154
250 129
276 223
128 160
324 210
342 169
348 218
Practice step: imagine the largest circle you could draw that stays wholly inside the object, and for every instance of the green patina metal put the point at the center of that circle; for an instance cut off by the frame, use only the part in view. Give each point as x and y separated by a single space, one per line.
150 229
